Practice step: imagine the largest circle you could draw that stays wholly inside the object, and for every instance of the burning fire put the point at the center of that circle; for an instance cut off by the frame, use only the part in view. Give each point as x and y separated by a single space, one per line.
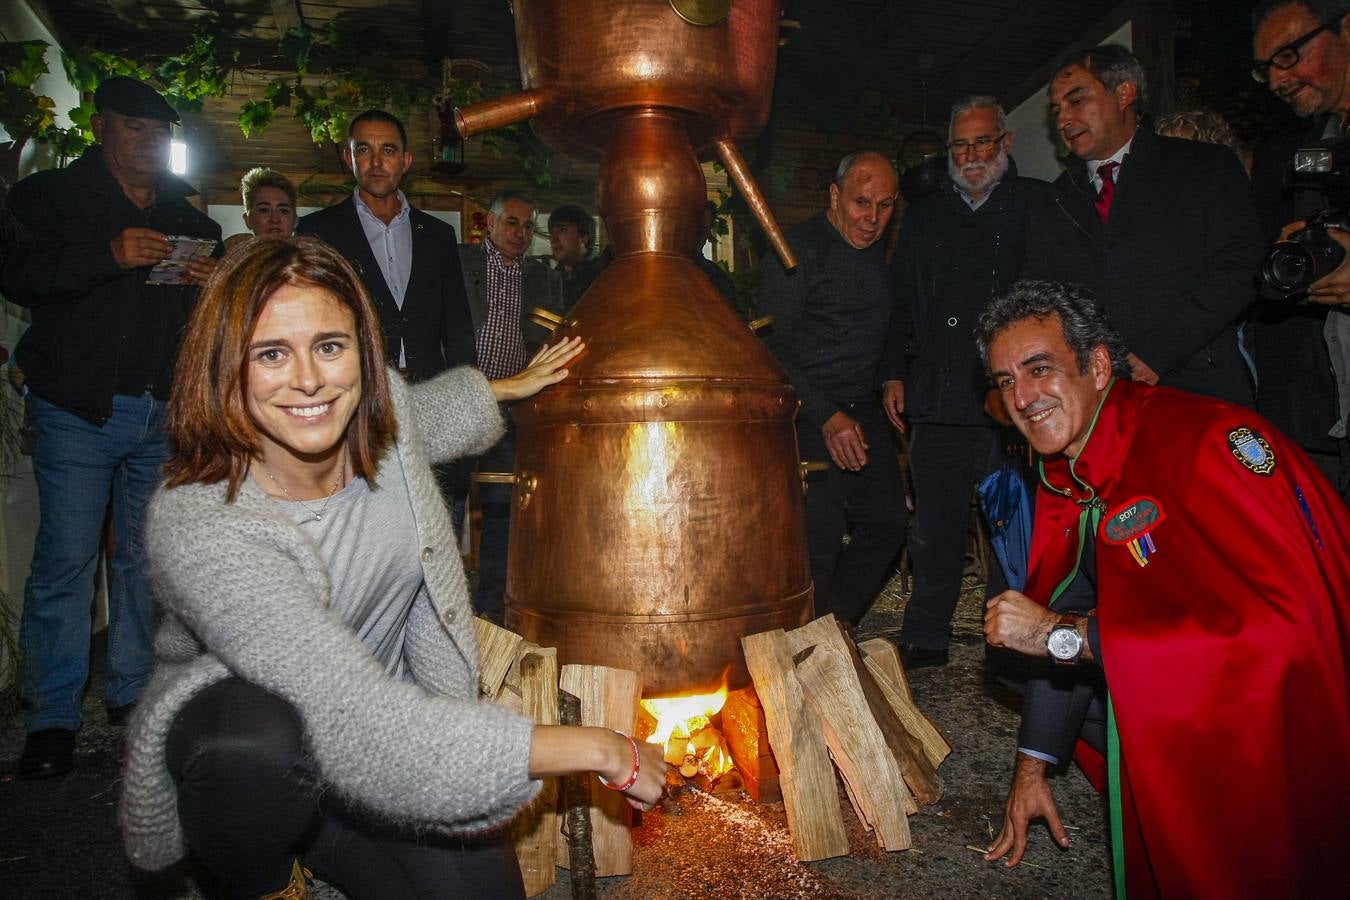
684 727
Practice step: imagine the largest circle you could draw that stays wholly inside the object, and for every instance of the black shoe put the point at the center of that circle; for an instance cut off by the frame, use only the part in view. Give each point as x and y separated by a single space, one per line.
921 657
47 752
118 716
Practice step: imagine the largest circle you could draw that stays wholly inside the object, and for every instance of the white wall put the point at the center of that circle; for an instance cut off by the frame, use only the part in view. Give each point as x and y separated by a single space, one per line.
19 23
1036 147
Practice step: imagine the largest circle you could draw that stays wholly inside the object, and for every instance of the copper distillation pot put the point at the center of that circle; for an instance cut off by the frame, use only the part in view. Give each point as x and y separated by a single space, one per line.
658 512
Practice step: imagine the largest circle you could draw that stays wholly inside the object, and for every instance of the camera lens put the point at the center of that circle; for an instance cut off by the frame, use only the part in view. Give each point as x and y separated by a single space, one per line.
1288 267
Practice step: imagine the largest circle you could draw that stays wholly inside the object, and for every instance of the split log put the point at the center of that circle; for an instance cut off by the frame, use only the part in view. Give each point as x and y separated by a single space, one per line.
935 745
805 775
747 735
497 651
609 699
886 656
867 763
578 847
536 678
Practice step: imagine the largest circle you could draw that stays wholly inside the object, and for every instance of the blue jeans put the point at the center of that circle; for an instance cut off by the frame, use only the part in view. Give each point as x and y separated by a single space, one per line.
78 465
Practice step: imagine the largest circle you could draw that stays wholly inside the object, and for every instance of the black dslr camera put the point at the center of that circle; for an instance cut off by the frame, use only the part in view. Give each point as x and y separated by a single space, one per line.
1306 255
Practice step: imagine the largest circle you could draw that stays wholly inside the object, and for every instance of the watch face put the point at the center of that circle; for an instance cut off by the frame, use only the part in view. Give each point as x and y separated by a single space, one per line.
1064 644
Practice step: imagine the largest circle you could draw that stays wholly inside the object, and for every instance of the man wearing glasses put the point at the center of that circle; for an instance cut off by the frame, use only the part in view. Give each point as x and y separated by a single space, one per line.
1302 53
960 247
1162 231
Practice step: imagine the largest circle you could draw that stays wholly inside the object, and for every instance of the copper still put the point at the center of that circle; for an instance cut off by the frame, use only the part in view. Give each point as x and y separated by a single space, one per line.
658 511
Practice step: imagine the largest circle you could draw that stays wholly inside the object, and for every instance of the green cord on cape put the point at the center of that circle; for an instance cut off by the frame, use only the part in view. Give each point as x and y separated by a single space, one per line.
1089 520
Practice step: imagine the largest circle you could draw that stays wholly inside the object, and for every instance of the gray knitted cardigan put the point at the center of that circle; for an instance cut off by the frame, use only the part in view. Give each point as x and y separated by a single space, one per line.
244 592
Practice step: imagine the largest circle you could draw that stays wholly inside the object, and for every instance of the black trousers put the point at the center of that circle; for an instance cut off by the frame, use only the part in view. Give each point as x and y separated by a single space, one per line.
868 506
945 463
250 803
494 538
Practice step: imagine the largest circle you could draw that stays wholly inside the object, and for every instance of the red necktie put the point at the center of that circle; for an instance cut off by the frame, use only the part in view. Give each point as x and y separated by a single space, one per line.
1107 172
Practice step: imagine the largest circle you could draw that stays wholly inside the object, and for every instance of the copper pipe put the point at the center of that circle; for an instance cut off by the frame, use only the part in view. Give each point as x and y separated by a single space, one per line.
498 112
745 183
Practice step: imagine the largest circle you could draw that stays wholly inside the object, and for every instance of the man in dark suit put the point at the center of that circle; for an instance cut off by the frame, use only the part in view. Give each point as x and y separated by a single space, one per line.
403 255
1162 231
504 286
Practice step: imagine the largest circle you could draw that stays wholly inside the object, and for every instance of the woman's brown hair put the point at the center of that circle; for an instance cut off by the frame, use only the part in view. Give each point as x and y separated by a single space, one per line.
212 437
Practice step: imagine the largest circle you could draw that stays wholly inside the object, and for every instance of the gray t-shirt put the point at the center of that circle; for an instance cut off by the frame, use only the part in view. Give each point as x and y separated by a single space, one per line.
366 537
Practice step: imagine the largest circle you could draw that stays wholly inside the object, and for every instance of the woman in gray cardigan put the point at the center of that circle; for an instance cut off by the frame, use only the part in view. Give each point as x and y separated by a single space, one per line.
315 696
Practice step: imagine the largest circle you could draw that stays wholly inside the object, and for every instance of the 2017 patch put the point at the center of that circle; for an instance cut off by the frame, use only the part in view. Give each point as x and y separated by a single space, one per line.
1132 520
1252 451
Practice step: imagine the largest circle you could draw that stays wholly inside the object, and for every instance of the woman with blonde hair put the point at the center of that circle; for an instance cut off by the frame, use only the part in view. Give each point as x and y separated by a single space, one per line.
315 697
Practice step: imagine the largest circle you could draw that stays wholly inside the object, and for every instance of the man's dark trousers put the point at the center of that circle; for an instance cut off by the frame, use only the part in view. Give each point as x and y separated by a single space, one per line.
848 576
945 463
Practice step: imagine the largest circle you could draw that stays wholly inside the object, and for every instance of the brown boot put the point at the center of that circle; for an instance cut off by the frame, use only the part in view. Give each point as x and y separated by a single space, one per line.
297 888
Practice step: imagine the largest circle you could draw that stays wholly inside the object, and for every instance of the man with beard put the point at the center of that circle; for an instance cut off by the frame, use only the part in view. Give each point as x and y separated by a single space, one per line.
959 247
830 319
1162 231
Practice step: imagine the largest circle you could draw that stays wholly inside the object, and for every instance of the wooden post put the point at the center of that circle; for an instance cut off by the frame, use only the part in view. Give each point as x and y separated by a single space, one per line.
580 853
609 699
805 775
534 827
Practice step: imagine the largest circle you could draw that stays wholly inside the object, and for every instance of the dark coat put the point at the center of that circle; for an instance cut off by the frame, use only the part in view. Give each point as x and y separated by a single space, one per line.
1175 263
540 286
1296 386
950 262
93 319
434 323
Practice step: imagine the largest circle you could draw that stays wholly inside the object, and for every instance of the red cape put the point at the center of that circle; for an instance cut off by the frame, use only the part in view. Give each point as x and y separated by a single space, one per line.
1225 655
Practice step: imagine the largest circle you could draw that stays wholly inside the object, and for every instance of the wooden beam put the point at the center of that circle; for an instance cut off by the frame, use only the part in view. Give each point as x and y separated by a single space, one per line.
286 13
130 11
1036 81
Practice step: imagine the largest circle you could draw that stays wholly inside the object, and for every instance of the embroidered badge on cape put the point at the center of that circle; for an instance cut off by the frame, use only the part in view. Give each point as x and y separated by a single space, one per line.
1131 525
1252 451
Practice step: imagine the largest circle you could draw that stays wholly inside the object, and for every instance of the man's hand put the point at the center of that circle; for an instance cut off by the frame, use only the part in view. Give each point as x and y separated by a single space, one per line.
200 269
1142 371
1333 289
1014 620
1028 798
844 439
136 247
893 401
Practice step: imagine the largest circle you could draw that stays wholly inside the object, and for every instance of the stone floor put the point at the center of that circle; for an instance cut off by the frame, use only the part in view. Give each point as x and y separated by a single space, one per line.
59 838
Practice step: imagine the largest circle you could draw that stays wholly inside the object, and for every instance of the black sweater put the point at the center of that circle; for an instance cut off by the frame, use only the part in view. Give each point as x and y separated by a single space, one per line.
830 317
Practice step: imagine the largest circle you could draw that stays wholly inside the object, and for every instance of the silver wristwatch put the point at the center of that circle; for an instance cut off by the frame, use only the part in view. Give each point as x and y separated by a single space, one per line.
1064 643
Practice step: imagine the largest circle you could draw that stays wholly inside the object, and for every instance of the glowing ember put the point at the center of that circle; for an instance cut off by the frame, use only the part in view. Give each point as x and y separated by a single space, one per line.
683 727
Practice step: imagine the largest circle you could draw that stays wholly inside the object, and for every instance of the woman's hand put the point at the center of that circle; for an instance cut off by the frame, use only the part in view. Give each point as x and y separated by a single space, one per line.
565 750
546 368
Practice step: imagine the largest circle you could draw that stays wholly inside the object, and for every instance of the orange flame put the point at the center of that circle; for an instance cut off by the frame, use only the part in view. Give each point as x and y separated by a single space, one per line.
683 727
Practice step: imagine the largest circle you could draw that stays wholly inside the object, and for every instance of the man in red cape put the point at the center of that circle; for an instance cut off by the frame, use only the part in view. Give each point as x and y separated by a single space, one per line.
1190 566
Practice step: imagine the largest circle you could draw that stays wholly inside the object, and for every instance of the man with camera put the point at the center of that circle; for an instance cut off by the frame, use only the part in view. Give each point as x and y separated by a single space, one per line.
1302 53
1163 231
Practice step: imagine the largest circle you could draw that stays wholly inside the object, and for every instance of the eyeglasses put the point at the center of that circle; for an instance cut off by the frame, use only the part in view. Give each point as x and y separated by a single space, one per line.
1288 56
980 145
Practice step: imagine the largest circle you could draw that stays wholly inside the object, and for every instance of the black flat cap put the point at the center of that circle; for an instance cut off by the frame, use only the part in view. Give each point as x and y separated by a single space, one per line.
133 98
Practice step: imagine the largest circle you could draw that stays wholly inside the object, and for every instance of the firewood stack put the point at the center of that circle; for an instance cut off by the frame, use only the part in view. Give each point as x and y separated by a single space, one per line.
825 698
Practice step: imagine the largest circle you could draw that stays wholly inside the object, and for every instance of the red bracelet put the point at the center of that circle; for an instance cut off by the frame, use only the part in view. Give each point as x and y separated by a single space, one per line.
637 765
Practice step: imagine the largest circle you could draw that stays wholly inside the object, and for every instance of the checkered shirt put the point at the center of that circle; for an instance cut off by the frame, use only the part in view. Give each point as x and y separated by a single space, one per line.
500 345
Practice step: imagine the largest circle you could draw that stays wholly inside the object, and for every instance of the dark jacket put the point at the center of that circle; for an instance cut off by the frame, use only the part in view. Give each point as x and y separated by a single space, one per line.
94 321
1296 386
433 324
831 316
540 286
1174 264
951 261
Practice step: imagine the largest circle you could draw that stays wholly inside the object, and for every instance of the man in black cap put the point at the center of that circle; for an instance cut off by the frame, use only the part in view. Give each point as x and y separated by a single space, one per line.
98 359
